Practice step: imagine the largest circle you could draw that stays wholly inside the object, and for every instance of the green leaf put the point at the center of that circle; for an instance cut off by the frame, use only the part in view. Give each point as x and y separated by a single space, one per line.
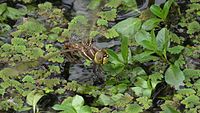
166 8
114 3
128 27
65 108
175 49
133 108
102 22
156 10
144 39
113 55
33 98
77 102
14 13
45 6
29 79
108 15
111 33
145 57
124 49
169 109
145 101
94 4
163 40
142 35
151 24
189 73
18 41
193 27
186 91
85 109
141 83
191 101
32 26
174 76
105 100
3 8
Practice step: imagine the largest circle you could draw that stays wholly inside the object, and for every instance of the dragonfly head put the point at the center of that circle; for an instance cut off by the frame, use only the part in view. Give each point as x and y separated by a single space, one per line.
101 57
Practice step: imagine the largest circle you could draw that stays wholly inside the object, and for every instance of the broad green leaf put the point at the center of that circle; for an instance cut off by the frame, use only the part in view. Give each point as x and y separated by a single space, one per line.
144 39
65 108
77 102
114 3
169 109
162 39
3 8
128 27
174 76
151 24
33 98
105 100
124 49
130 3
141 83
156 10
133 108
142 35
84 109
14 13
145 57
113 55
166 8
137 90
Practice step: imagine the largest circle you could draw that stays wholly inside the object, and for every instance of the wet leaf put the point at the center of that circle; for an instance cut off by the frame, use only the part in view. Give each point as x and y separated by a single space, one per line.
169 109
108 15
84 109
77 102
151 24
105 100
133 108
3 8
174 76
33 98
28 79
128 27
166 8
162 39
193 27
65 108
124 49
156 10
114 3
113 55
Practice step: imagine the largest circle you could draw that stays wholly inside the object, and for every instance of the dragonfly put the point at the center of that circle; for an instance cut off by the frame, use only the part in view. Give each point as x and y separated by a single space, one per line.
81 41
79 44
